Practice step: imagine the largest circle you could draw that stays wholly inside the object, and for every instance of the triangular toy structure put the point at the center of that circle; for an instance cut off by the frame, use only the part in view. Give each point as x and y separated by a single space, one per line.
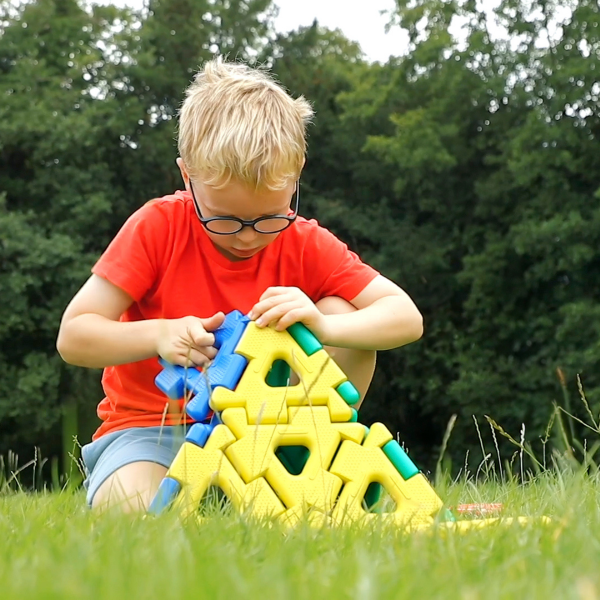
280 449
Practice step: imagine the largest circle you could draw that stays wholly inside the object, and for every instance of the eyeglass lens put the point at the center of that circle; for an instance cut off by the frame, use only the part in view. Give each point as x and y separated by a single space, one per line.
268 225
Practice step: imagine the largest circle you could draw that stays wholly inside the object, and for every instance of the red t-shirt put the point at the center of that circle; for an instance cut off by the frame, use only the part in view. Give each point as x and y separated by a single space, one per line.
165 261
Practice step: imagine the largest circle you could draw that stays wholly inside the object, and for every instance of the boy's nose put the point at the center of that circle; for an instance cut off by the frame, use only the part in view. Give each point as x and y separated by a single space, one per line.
247 235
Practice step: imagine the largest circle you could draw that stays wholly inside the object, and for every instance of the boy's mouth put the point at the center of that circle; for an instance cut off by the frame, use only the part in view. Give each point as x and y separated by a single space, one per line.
244 253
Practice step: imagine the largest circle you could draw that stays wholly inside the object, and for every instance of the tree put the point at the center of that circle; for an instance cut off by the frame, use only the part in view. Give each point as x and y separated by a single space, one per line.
492 152
57 145
465 171
84 142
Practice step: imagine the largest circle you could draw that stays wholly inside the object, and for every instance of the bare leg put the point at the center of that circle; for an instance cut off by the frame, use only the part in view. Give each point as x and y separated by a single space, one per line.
130 488
359 365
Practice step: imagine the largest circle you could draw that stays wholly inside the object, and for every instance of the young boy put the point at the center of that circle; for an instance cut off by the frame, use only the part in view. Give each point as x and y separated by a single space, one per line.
232 240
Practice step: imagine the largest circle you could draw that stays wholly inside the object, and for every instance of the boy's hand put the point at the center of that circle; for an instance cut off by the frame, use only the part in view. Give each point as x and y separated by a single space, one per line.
281 307
188 341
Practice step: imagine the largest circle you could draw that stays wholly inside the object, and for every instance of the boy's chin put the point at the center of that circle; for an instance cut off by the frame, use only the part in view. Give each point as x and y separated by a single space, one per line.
237 255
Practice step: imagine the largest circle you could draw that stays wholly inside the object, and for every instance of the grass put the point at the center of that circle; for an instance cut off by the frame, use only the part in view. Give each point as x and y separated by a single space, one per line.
52 546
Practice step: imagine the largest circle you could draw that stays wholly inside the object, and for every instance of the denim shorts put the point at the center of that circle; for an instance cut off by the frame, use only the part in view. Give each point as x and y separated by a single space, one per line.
112 451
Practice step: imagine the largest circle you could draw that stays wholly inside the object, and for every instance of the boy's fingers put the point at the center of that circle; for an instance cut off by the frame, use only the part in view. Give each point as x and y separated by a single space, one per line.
291 317
268 304
211 323
199 358
275 313
209 351
194 358
200 337
273 291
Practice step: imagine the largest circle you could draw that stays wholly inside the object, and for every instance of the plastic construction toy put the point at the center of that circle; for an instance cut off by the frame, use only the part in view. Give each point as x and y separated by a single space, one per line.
284 441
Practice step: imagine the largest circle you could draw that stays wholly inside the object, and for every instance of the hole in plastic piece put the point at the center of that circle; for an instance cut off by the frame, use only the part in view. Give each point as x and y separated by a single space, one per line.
372 495
293 458
377 499
280 374
214 501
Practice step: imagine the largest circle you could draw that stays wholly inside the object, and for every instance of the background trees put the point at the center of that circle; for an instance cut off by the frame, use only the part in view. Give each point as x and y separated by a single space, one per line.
468 171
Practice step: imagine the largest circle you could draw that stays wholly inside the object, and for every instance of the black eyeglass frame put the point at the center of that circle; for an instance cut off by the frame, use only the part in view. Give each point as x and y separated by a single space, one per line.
243 223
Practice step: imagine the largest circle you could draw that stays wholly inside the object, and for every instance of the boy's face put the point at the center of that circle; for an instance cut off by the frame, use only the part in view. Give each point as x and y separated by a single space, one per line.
237 200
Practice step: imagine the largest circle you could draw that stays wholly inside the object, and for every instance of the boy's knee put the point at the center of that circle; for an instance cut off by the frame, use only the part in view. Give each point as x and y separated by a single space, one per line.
130 488
358 365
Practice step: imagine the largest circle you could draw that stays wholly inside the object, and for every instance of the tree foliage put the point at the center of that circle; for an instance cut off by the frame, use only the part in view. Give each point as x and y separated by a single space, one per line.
467 171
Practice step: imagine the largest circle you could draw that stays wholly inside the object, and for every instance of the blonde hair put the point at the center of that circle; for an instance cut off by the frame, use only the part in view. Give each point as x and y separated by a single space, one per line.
238 123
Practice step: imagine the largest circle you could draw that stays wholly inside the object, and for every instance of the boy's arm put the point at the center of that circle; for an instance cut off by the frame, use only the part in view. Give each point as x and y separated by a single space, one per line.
91 334
386 317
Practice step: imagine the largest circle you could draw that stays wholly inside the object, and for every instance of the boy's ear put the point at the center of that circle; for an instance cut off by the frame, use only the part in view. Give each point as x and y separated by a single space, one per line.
184 174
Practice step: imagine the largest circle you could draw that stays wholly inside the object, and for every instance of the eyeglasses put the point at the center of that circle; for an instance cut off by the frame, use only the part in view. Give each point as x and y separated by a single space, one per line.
266 224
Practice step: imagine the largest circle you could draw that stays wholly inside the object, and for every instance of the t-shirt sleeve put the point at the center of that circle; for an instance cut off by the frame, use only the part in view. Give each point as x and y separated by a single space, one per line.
132 259
331 268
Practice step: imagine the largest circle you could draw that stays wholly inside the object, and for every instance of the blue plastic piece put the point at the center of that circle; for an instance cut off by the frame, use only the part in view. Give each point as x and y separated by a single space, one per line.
170 381
225 370
400 460
227 329
166 493
199 433
174 380
215 420
199 406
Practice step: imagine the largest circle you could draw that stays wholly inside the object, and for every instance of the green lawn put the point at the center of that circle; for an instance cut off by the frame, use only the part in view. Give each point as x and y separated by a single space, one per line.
53 547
